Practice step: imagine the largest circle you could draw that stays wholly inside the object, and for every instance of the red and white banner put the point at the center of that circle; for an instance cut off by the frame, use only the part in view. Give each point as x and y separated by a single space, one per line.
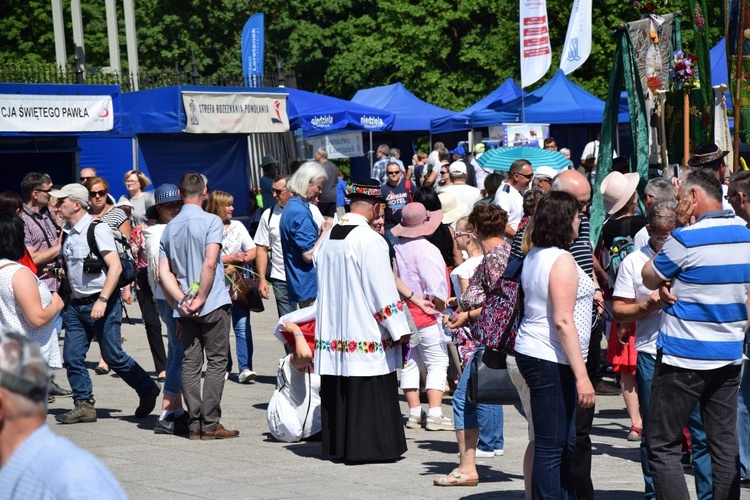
55 113
536 54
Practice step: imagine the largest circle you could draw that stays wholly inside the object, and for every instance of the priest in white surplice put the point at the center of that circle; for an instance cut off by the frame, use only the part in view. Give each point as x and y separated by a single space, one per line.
361 325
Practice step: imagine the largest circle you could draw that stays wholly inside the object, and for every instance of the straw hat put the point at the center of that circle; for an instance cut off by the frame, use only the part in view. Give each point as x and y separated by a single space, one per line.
617 189
452 211
417 221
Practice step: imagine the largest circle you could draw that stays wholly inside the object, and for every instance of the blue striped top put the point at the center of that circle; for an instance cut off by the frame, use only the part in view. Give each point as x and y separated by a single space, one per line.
709 266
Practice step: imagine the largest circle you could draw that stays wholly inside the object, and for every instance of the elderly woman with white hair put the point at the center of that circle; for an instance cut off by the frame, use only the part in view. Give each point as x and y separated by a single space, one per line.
299 232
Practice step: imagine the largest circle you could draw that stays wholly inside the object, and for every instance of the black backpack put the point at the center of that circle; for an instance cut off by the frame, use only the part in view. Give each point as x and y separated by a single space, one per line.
94 263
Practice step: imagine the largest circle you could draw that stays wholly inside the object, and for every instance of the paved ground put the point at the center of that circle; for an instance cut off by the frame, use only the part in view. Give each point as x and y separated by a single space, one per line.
256 466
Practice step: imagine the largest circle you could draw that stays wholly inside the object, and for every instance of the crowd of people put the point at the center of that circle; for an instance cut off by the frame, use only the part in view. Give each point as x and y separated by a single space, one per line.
397 283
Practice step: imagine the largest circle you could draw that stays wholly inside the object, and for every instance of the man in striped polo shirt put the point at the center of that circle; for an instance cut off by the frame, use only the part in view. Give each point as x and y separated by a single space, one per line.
699 346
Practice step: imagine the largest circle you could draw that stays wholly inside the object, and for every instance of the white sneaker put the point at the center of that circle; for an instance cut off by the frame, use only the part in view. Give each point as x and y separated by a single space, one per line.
247 376
440 423
499 453
484 454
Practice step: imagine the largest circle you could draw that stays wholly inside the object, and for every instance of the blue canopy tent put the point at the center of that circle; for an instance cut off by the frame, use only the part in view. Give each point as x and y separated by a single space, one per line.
411 113
60 152
317 114
560 103
508 91
158 119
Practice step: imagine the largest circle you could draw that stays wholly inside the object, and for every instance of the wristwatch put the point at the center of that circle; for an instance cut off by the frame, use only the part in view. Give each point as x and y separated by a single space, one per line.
104 299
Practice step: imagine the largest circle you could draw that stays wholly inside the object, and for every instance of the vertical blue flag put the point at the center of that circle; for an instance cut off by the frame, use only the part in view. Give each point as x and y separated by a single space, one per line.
253 50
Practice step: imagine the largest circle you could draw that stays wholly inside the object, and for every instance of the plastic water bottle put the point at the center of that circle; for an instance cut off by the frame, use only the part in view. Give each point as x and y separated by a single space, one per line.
190 295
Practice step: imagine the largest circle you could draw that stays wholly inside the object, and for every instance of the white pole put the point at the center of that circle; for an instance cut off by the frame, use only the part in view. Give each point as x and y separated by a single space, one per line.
130 36
113 36
58 26
80 50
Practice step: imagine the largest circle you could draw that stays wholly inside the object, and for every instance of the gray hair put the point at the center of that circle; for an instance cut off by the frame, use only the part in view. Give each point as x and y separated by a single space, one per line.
706 182
740 181
663 214
322 152
660 189
84 203
681 170
395 152
564 151
309 173
384 150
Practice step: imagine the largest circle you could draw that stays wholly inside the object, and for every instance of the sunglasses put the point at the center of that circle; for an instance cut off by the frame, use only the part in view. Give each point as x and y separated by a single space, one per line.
443 172
44 190
394 173
462 233
527 176
97 194
727 197
277 191
84 179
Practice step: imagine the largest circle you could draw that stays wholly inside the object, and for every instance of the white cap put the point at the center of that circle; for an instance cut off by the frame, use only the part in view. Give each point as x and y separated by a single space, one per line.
545 171
457 168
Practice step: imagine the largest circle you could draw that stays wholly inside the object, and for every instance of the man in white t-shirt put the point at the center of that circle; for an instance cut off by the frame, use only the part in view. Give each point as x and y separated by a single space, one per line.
268 243
462 192
433 159
510 195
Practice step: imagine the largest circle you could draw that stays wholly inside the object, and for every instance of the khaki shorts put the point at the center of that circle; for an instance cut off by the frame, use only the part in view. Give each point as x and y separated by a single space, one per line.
523 391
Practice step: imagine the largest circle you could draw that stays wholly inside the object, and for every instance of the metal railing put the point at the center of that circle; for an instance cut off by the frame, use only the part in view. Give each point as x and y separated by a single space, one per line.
32 72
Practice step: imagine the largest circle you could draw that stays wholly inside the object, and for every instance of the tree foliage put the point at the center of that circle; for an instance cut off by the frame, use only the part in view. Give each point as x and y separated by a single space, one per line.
448 52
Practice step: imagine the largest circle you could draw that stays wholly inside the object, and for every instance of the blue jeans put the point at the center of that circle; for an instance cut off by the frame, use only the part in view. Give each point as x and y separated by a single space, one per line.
675 394
743 421
467 415
244 337
281 294
701 458
173 379
553 407
80 330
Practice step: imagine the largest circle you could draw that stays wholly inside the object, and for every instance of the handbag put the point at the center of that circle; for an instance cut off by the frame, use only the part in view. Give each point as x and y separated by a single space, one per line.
489 380
502 311
243 290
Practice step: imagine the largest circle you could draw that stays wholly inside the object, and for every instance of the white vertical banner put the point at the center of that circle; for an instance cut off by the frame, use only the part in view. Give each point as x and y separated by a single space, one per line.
536 54
578 40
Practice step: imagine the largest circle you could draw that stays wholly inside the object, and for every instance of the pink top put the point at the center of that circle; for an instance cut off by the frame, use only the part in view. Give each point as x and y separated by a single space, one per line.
420 265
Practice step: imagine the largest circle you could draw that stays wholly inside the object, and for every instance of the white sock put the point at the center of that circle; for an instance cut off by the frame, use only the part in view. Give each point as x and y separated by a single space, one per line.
164 414
435 412
415 412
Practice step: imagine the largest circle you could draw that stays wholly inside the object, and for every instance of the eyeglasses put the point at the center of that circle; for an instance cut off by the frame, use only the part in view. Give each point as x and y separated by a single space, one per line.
583 204
733 194
97 194
528 176
277 191
395 172
130 181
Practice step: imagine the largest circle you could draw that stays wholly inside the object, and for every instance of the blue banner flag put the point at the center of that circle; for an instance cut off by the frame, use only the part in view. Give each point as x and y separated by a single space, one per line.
253 50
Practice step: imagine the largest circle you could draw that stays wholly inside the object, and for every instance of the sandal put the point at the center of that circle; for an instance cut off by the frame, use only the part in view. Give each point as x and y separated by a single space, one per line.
635 433
458 480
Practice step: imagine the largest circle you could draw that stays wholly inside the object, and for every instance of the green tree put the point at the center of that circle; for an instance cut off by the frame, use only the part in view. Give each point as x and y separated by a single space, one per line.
448 52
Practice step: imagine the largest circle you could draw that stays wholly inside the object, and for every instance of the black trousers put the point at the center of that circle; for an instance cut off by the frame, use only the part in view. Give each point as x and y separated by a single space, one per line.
151 320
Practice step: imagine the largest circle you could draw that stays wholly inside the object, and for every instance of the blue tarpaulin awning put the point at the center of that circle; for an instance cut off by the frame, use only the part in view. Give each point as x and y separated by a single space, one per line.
412 114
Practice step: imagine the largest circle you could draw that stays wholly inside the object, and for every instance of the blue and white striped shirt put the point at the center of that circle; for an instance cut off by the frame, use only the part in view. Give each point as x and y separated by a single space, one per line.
709 266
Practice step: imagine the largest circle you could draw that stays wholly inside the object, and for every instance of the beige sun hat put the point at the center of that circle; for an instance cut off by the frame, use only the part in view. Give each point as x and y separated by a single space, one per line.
452 210
617 189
